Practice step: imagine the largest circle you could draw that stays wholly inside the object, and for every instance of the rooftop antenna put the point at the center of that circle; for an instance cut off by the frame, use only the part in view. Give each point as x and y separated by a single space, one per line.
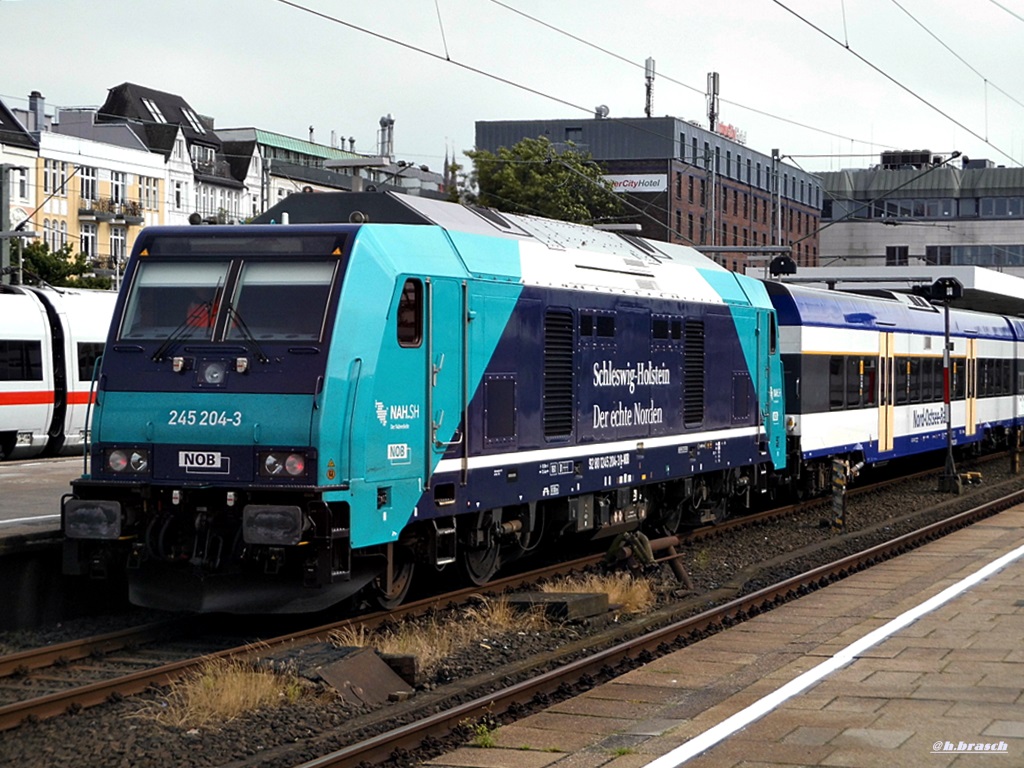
649 76
713 101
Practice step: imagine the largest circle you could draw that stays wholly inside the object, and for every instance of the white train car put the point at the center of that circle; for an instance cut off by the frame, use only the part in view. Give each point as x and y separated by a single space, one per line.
49 342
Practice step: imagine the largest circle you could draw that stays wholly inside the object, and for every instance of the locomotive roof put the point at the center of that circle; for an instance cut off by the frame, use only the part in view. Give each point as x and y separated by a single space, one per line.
597 260
392 208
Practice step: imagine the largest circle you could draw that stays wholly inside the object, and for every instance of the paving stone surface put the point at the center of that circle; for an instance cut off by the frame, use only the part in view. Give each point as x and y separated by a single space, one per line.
953 678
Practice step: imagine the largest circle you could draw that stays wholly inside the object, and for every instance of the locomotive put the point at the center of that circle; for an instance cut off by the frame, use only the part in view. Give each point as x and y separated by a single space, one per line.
49 341
291 414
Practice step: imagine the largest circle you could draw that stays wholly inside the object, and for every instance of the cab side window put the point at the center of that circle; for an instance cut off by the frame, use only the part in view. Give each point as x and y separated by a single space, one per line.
410 314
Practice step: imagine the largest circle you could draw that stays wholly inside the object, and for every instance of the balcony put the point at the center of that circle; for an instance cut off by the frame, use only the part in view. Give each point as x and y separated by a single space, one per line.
107 209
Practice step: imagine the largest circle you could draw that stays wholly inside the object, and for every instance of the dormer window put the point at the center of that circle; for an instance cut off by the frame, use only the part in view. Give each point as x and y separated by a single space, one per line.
154 111
193 120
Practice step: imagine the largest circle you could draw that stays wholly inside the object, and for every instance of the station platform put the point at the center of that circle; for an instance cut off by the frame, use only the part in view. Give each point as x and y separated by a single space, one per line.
918 661
30 493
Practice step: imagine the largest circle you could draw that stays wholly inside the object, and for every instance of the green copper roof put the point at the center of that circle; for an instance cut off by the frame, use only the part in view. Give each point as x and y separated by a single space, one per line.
278 141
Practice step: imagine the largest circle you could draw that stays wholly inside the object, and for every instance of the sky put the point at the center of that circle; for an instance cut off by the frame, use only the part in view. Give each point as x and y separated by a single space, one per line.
830 83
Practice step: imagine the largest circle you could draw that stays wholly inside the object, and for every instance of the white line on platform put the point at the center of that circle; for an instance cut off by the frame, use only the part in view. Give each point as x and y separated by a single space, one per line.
36 519
763 706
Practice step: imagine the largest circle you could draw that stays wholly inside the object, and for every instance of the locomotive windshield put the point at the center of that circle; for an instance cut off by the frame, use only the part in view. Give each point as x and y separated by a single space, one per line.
170 296
268 300
281 300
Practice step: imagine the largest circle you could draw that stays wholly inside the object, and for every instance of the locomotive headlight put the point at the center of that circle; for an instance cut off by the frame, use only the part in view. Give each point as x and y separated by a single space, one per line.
282 464
295 464
117 460
128 460
212 372
138 461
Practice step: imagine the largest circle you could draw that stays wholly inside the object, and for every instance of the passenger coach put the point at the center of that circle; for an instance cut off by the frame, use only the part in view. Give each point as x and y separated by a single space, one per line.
49 341
864 377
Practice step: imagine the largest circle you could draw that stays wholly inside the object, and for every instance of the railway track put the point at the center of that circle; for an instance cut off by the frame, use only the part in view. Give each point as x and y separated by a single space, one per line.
394 745
65 665
68 671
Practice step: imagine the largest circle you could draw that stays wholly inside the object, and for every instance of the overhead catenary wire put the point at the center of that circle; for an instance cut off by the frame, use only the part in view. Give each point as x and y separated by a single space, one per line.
959 58
896 82
641 65
1017 16
527 88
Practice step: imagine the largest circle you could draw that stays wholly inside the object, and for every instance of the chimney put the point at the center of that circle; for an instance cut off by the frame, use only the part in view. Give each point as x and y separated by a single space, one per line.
37 108
351 143
311 134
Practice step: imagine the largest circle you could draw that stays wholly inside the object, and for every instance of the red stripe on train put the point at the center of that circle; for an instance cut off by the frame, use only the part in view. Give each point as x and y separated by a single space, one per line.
43 398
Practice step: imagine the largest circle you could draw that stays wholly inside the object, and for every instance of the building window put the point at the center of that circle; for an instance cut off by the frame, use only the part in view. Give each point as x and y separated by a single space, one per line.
118 187
55 176
150 193
689 193
177 195
896 255
87 183
154 111
194 121
117 244
938 255
689 226
88 240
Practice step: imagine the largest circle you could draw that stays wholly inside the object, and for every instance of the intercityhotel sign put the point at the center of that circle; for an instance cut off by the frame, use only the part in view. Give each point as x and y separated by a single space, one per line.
639 182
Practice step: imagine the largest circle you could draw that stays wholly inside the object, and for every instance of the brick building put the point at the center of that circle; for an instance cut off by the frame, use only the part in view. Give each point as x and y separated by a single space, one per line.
686 184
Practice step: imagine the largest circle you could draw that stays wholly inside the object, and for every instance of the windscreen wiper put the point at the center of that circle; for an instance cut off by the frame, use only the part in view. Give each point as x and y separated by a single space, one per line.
185 330
235 318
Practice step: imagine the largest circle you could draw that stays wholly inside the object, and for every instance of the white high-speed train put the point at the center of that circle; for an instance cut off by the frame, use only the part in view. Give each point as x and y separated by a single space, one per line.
50 339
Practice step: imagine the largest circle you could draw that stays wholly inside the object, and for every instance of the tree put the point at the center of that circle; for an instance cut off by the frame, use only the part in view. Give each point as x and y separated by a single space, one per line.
533 178
60 267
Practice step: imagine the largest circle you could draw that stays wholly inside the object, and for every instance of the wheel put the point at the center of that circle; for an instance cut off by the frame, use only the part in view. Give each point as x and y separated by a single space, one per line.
402 569
480 565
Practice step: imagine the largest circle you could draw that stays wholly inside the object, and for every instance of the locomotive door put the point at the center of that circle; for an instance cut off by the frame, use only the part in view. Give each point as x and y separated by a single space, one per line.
971 392
886 399
447 352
